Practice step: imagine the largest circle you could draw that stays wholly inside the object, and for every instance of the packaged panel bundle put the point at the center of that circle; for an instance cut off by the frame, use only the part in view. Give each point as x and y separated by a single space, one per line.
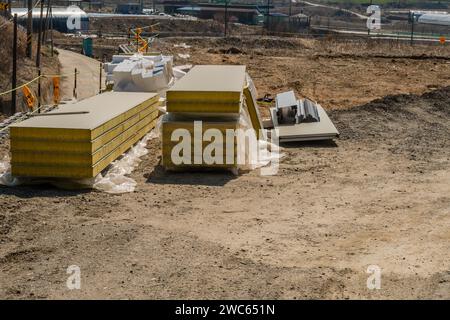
80 140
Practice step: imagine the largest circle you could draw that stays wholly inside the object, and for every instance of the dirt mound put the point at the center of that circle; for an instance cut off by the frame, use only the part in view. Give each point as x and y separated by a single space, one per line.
166 27
260 43
414 125
230 50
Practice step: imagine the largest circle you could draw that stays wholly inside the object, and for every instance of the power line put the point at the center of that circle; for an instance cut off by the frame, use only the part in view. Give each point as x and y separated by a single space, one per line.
22 15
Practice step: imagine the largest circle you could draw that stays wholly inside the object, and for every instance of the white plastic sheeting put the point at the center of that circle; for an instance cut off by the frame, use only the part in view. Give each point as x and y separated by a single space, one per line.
6 178
115 179
140 73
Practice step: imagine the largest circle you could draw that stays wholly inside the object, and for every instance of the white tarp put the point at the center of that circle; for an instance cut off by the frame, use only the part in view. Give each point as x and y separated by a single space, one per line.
140 73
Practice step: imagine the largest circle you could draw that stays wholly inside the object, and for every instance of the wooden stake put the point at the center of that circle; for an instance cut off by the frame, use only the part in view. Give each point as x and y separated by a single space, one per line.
14 71
39 90
100 81
75 84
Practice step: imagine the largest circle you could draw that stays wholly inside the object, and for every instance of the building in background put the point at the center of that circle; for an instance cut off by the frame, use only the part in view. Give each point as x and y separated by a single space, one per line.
63 18
242 13
130 8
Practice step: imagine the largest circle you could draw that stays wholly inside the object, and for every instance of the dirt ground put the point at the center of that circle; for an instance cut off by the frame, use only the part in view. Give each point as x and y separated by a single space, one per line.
338 74
379 195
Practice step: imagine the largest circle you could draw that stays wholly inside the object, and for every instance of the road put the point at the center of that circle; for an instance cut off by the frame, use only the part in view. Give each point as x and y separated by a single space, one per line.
87 77
361 16
384 35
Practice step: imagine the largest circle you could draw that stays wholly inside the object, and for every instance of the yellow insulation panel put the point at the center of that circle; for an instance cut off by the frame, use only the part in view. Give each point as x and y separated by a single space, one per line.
253 110
77 171
196 107
208 89
82 145
169 126
98 115
43 145
78 158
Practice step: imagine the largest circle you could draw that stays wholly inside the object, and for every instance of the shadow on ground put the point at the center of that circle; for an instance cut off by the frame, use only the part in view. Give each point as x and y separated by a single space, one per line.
207 178
309 144
40 190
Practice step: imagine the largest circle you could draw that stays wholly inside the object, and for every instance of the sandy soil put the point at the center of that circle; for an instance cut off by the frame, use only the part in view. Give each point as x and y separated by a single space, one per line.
379 195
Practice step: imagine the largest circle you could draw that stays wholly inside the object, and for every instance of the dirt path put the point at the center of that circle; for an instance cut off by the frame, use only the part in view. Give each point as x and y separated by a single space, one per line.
87 78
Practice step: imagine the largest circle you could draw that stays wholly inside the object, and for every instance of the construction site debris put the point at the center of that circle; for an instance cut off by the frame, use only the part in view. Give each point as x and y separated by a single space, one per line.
300 120
305 131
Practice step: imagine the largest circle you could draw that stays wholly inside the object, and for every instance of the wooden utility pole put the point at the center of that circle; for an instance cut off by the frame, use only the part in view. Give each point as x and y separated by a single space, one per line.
14 71
30 29
290 14
38 53
46 24
51 26
226 17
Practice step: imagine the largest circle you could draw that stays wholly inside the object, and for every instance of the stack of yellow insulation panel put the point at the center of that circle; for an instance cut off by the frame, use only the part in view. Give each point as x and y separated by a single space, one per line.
213 95
208 89
80 140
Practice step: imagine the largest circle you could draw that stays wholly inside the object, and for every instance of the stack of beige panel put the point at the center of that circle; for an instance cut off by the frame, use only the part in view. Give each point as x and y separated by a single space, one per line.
80 140
210 94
